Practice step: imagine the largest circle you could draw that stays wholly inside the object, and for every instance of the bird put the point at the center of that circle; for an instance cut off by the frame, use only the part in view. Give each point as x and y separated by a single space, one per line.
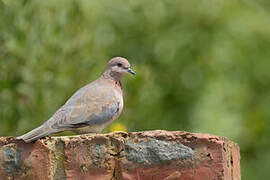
91 108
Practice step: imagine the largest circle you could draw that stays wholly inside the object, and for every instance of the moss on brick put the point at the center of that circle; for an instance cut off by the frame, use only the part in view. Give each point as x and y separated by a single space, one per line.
154 151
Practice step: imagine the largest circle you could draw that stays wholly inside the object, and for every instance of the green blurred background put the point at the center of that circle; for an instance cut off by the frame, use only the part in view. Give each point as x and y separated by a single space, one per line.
202 66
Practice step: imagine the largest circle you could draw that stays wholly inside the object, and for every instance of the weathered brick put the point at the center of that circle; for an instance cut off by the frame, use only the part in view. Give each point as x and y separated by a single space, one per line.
90 157
180 154
19 160
138 155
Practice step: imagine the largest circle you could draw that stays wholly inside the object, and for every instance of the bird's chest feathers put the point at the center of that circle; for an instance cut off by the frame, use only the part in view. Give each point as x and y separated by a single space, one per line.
104 114
120 101
118 94
108 106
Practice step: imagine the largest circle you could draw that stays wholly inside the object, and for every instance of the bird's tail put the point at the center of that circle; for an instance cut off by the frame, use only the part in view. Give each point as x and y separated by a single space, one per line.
37 133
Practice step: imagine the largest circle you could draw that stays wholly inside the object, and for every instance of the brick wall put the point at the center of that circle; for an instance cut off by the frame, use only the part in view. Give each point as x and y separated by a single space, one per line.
138 155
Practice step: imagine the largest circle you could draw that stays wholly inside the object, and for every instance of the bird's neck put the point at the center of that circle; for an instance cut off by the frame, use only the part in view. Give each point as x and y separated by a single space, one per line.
116 78
119 84
108 74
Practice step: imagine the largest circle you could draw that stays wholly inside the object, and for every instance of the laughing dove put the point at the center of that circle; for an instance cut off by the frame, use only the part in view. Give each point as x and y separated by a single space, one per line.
91 108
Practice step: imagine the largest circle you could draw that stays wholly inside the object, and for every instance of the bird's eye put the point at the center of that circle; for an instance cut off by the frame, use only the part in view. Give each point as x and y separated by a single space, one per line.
119 65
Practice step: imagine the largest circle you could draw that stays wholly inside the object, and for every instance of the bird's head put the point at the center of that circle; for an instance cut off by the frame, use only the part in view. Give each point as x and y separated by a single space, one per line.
117 67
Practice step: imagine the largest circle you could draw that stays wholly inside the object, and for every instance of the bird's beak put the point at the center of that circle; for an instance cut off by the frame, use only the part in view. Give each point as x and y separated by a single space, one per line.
131 71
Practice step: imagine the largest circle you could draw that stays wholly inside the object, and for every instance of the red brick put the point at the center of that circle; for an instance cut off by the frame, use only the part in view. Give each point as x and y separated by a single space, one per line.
20 160
209 161
139 155
89 158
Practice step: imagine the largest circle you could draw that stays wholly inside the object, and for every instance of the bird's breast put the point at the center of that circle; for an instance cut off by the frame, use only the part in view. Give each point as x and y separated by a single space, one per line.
120 102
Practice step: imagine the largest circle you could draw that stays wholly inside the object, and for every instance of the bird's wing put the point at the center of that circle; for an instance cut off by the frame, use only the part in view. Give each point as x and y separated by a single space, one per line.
92 105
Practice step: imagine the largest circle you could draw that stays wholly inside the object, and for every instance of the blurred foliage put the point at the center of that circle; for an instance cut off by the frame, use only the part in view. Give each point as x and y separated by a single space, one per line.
201 66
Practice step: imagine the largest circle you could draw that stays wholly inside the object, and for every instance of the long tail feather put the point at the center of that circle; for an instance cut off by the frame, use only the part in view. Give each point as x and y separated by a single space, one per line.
37 133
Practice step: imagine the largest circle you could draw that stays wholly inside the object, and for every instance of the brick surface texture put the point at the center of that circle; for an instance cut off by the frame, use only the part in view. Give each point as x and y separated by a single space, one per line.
149 155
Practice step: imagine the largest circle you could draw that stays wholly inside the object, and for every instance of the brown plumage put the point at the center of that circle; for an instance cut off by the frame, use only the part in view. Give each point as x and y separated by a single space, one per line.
91 108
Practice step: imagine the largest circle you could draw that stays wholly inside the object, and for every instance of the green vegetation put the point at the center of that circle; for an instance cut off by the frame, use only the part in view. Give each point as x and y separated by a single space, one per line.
202 66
